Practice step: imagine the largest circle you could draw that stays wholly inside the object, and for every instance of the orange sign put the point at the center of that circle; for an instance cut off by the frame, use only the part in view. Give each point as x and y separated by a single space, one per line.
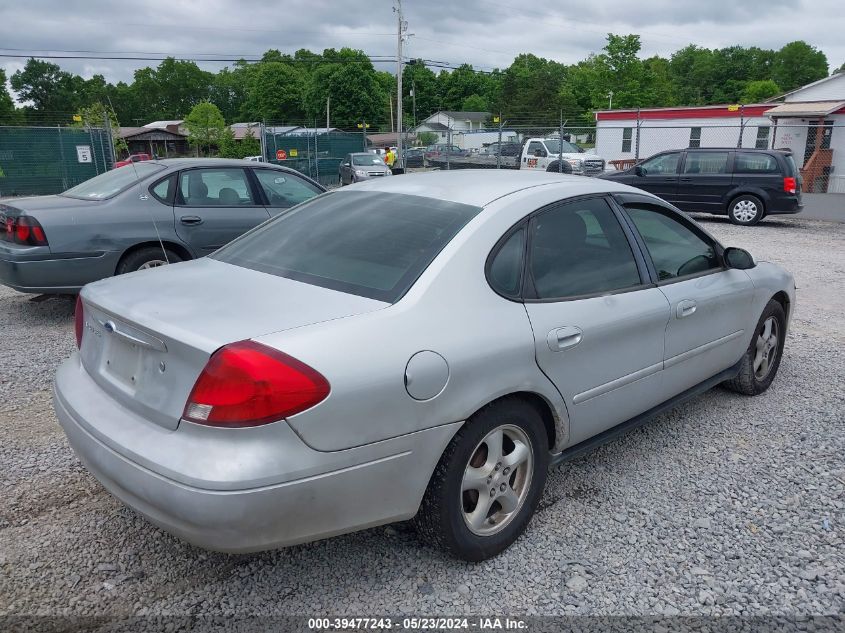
281 154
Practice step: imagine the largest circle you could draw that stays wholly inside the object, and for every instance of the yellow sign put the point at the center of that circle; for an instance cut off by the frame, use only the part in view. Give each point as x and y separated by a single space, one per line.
77 118
361 126
733 108
292 153
495 119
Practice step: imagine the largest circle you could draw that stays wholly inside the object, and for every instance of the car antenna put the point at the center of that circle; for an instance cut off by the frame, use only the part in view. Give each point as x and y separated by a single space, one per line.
144 197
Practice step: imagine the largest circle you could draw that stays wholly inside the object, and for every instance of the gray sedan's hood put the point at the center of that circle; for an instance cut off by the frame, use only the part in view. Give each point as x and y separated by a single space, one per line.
206 303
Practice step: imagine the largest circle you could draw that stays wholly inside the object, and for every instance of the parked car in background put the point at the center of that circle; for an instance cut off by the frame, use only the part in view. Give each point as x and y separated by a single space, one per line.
414 157
361 166
546 154
418 347
744 184
132 158
149 214
442 150
254 159
503 149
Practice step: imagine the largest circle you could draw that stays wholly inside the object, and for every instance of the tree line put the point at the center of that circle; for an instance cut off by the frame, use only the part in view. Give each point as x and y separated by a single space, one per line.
294 88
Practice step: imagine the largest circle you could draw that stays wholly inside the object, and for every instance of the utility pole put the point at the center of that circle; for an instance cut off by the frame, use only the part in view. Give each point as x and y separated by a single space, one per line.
499 152
400 35
328 105
610 103
414 97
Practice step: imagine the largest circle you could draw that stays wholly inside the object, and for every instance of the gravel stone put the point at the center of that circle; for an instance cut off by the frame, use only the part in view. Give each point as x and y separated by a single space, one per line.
616 533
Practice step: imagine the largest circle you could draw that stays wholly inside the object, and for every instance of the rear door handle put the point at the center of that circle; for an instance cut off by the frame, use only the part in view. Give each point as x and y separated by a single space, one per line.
686 179
190 220
563 337
685 308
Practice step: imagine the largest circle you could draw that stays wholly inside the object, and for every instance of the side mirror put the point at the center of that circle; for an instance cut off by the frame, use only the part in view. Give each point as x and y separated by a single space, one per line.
638 169
739 258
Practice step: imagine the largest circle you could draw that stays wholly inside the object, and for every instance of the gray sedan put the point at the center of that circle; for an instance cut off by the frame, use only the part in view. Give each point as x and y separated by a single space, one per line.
424 346
141 216
362 166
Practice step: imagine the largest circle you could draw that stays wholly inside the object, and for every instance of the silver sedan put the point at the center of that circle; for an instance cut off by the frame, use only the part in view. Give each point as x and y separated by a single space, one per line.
422 346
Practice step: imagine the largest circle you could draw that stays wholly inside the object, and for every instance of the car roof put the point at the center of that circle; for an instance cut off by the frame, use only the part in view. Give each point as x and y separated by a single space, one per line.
209 162
479 187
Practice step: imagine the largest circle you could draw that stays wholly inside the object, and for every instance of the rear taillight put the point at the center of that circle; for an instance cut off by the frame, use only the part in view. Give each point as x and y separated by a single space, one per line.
249 384
24 230
789 184
78 321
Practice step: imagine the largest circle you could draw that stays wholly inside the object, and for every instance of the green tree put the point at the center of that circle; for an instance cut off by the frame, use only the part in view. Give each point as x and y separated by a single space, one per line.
530 89
227 146
474 103
798 64
275 93
100 116
230 90
423 82
760 90
205 125
426 138
8 114
250 145
52 95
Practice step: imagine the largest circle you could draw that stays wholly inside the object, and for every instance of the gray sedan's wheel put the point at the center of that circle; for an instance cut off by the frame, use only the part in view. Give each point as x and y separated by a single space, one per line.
147 257
488 482
745 210
761 360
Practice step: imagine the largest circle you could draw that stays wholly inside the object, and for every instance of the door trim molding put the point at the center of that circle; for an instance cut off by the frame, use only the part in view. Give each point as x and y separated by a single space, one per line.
679 358
617 383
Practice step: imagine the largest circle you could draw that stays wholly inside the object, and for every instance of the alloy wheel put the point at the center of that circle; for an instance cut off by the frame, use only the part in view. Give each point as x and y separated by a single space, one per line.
745 210
766 348
153 263
497 480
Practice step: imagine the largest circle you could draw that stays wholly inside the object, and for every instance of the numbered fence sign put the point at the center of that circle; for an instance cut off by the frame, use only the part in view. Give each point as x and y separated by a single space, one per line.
83 153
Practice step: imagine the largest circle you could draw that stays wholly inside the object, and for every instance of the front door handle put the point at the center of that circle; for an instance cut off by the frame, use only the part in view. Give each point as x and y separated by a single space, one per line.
190 220
564 337
685 308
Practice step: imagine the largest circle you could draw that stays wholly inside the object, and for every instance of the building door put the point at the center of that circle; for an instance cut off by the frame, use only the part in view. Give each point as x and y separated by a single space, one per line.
813 130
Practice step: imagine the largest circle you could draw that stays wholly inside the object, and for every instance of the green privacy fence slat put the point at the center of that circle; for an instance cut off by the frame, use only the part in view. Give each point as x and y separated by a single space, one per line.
317 157
48 160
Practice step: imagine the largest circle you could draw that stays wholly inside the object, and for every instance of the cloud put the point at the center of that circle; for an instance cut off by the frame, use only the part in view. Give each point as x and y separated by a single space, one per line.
485 33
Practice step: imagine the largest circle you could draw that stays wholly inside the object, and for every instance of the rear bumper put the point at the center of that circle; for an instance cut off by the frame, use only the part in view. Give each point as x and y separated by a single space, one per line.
241 490
785 205
40 274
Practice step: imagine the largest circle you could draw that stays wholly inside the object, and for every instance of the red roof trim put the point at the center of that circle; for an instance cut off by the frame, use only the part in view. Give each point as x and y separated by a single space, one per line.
695 112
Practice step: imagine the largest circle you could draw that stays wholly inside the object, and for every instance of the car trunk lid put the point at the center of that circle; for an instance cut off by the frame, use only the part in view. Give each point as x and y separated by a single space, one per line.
148 335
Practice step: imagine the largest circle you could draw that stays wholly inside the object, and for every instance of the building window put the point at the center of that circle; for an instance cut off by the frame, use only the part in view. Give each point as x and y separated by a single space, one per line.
695 137
626 139
762 137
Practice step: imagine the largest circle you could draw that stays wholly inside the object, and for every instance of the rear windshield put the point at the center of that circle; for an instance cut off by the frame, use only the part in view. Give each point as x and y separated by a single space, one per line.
368 243
112 182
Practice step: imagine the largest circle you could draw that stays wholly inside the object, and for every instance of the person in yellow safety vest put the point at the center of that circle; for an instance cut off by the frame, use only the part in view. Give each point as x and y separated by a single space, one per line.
389 158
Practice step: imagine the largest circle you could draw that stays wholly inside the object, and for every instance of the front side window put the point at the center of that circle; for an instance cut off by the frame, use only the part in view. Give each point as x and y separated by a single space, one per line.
225 187
284 190
579 248
368 243
661 165
112 182
675 248
535 148
695 137
706 163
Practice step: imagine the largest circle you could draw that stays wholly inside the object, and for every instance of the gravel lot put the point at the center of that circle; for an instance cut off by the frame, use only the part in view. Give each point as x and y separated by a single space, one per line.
726 505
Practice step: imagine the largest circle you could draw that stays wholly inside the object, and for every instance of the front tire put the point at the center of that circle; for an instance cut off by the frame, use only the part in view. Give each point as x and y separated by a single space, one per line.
746 210
761 360
147 257
487 483
553 167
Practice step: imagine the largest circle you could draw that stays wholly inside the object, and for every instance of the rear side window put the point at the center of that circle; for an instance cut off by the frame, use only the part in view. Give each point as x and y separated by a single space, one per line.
368 243
755 163
505 272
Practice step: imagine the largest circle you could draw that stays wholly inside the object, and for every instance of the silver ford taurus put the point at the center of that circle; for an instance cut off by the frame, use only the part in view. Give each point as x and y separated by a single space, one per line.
422 346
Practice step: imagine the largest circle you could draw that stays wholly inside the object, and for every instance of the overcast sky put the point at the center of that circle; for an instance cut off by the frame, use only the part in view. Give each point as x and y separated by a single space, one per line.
485 33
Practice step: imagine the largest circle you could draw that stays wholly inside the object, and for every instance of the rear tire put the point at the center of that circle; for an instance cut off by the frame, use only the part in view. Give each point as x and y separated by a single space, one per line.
147 257
761 360
746 210
487 483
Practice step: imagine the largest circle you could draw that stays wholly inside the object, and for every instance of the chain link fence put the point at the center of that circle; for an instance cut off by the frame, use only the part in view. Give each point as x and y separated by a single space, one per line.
314 152
41 160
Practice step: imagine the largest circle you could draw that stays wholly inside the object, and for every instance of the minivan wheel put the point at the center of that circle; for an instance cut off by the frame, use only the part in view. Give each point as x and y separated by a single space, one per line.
147 257
487 483
745 210
761 360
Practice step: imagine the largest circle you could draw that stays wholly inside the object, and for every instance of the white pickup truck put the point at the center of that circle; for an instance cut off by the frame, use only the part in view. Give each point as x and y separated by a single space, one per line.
545 154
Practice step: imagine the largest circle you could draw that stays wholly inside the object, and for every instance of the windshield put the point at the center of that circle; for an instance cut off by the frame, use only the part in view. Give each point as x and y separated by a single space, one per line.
366 160
553 146
368 243
108 184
